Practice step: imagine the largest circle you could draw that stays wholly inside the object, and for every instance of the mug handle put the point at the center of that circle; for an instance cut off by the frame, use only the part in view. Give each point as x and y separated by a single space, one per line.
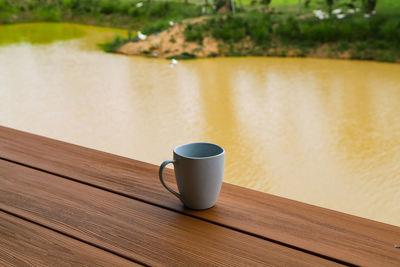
160 173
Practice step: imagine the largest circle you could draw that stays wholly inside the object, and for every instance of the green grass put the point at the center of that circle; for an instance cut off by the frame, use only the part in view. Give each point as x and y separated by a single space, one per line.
114 44
124 14
364 38
275 3
194 33
378 37
291 6
381 4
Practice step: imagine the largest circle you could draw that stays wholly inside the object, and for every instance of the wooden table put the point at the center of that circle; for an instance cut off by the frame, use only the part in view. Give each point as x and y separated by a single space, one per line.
62 204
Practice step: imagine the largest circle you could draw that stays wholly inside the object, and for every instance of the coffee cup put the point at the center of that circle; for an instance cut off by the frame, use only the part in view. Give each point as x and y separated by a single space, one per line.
199 170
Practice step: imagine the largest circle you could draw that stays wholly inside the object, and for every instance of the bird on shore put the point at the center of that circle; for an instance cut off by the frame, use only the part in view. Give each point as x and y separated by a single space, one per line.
173 63
141 36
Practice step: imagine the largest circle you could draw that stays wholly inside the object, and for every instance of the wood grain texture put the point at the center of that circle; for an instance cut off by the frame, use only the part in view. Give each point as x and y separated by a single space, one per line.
349 238
25 244
136 230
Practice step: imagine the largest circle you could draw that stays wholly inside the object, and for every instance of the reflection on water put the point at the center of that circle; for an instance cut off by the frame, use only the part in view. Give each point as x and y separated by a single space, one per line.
324 132
39 33
46 33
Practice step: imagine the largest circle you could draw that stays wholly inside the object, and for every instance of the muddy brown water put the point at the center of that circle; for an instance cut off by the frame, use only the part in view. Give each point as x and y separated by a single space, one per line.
325 132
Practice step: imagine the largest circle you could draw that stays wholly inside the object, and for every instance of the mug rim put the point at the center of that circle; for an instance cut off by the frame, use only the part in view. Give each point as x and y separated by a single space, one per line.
208 157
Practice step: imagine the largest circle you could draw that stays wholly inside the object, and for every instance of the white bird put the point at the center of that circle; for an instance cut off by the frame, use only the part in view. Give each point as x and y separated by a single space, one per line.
141 36
173 63
320 14
337 11
140 4
340 16
171 23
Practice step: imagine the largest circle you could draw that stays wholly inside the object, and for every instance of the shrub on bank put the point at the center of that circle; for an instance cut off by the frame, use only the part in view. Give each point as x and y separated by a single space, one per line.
232 28
114 44
155 27
260 27
194 33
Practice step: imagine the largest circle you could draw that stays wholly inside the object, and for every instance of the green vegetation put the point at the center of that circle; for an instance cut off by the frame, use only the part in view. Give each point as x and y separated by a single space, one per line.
257 27
114 44
277 33
125 14
150 17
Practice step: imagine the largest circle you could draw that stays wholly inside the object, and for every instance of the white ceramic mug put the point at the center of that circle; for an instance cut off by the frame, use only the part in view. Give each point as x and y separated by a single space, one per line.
199 170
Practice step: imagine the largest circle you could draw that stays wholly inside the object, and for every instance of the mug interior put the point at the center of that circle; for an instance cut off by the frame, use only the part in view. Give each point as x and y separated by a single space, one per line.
198 150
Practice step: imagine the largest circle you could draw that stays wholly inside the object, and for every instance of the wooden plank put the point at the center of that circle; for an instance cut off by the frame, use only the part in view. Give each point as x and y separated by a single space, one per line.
136 230
354 240
24 244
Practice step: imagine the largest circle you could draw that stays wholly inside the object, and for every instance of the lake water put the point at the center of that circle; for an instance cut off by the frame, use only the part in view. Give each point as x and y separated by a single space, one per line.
325 132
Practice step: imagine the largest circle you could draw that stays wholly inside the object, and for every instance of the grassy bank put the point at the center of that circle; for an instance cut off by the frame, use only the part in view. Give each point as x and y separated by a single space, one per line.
280 30
255 33
125 14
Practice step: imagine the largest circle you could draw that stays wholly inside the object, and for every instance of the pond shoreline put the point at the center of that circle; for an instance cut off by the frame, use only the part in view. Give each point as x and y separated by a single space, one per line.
189 40
192 30
171 43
